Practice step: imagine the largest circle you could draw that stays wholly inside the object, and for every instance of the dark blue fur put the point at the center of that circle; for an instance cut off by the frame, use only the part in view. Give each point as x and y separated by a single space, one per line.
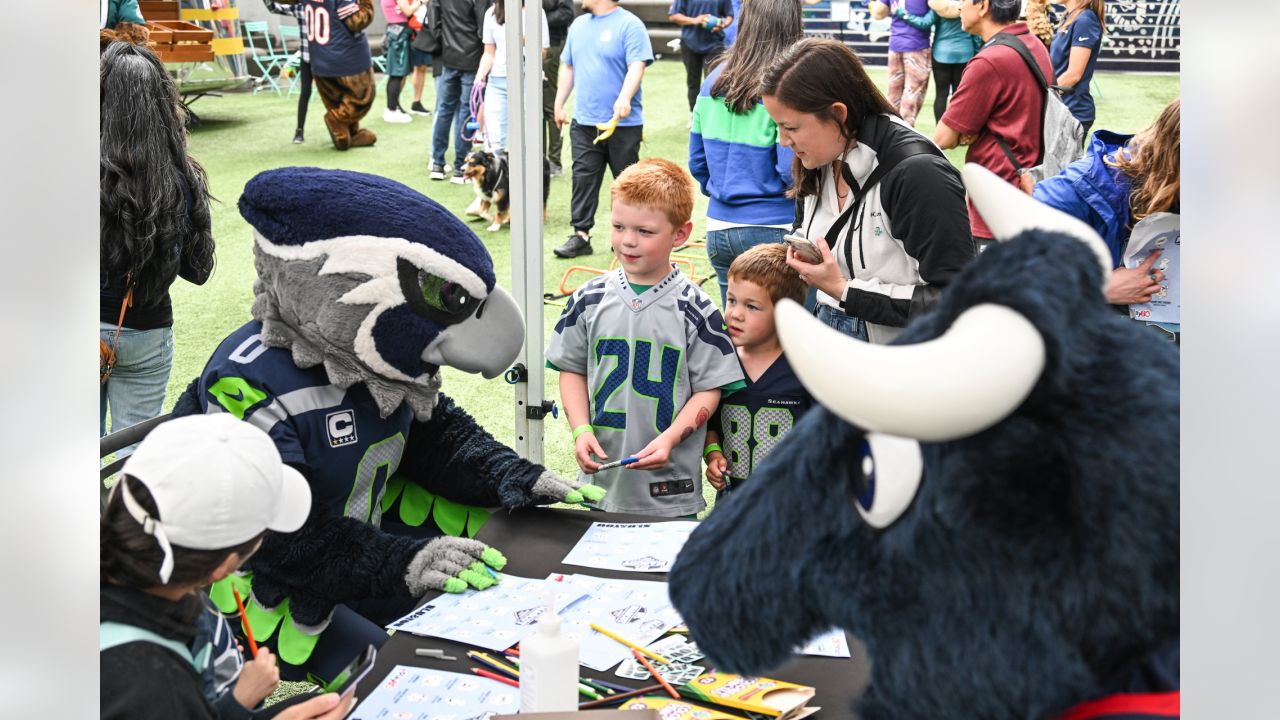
1039 560
296 205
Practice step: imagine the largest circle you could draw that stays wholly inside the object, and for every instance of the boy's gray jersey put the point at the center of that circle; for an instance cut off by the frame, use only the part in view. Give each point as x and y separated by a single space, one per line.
644 355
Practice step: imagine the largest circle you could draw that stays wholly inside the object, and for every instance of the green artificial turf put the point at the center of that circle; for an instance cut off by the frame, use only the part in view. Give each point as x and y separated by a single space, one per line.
240 135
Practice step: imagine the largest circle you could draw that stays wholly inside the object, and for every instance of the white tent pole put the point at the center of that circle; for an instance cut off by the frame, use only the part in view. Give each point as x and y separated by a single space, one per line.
524 113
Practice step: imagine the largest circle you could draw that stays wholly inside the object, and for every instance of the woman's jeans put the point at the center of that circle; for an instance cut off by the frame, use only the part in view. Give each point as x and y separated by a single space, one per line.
135 390
847 324
723 246
495 113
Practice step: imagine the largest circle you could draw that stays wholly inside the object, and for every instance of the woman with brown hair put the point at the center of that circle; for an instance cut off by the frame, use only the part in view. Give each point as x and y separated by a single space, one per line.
1074 54
1121 180
881 202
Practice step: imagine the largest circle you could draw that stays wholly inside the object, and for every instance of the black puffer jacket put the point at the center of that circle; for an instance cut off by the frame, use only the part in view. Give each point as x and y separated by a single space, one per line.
459 25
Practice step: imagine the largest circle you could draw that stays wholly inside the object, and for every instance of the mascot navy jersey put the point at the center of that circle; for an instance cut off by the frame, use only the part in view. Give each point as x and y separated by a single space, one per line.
752 421
314 423
335 50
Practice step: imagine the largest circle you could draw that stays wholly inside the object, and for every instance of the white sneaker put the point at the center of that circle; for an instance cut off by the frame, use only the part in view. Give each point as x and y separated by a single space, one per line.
398 117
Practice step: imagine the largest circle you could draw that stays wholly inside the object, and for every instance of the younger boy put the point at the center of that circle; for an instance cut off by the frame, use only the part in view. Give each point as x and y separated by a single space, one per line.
643 354
752 421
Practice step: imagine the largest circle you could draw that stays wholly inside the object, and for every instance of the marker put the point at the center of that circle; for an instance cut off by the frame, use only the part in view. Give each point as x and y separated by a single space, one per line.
618 698
495 676
244 621
618 463
649 666
433 653
629 644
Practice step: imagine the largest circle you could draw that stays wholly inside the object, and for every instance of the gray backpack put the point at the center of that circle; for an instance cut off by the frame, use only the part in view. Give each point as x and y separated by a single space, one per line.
1061 135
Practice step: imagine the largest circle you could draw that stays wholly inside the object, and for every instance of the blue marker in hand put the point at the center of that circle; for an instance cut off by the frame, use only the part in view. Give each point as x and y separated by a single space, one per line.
618 463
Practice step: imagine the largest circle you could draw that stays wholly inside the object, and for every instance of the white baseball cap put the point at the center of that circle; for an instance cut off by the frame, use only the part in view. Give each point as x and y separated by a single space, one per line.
217 482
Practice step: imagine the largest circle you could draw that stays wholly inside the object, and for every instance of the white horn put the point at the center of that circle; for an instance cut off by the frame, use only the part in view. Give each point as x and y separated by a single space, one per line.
951 387
1008 211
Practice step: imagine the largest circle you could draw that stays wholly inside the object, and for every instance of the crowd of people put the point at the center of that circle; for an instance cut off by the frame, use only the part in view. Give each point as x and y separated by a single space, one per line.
789 138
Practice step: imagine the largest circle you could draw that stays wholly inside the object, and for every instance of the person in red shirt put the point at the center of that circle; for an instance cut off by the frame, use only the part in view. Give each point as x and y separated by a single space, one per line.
997 97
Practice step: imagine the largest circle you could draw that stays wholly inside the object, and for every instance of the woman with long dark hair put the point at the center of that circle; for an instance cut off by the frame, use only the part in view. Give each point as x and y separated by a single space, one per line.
1074 54
154 227
733 144
881 202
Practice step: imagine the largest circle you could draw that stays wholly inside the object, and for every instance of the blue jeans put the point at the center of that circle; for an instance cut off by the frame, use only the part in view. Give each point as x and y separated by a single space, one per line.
495 113
847 324
723 246
135 390
453 98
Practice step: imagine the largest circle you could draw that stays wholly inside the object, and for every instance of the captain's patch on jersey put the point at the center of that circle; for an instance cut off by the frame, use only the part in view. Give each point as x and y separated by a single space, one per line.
342 428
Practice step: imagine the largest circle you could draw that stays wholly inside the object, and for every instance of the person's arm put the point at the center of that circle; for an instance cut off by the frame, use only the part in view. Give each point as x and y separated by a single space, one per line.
1077 61
408 7
879 10
676 14
919 22
630 84
947 9
356 15
717 464
692 416
564 86
970 105
479 8
486 63
945 137
698 167
575 398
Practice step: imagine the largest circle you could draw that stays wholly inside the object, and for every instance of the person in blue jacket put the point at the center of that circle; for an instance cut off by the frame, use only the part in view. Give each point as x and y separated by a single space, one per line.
1074 54
1120 180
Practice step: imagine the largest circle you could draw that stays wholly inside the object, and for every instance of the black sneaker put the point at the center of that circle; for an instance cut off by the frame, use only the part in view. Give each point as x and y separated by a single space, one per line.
417 109
573 247
437 171
457 178
297 136
556 170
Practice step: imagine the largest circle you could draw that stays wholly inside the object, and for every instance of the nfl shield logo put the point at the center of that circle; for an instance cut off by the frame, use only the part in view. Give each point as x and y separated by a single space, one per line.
636 304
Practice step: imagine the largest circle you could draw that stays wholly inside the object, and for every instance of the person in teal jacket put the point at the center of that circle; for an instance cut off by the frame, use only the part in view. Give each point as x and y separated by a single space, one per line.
952 48
111 12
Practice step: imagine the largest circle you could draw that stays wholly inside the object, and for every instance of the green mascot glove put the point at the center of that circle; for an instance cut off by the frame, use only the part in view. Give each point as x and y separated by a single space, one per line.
557 488
452 565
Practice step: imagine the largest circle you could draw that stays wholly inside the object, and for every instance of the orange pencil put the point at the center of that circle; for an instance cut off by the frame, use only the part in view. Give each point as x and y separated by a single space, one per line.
244 621
649 666
495 676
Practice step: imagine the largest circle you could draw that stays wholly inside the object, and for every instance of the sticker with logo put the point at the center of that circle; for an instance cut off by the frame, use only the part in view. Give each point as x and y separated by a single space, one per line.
606 36
342 427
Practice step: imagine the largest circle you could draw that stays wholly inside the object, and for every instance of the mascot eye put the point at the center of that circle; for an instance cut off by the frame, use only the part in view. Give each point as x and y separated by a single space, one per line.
884 478
433 297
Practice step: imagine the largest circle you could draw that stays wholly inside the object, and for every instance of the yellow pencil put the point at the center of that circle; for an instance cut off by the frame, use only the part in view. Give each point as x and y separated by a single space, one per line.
629 644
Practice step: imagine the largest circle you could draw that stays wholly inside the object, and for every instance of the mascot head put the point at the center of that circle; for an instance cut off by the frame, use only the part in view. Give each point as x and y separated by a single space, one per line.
377 282
990 505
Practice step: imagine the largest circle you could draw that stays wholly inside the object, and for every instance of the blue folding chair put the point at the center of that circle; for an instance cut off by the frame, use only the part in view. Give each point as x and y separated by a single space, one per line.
264 53
288 32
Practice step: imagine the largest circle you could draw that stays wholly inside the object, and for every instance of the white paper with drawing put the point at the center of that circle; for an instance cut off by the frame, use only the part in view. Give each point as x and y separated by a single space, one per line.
1163 232
633 547
638 610
495 619
413 693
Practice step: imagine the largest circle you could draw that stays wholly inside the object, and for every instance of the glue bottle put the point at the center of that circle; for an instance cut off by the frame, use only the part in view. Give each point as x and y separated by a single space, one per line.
548 666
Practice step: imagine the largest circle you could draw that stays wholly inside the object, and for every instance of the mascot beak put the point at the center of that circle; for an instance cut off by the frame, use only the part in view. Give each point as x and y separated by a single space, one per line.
1010 212
950 387
486 343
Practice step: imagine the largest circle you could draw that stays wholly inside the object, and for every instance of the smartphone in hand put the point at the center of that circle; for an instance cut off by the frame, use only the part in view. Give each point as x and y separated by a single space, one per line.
805 248
345 683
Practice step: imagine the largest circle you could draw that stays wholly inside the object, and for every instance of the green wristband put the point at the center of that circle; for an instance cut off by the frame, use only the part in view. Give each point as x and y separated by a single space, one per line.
583 428
713 447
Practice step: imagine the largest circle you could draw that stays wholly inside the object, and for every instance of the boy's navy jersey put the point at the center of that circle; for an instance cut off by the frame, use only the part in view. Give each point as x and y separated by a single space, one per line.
644 355
346 450
335 50
752 421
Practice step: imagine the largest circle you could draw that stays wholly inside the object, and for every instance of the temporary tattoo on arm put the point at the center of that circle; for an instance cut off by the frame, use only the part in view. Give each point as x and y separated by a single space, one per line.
703 416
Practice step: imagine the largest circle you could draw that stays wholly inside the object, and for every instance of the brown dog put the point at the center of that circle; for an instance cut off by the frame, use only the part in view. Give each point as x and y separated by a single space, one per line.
489 175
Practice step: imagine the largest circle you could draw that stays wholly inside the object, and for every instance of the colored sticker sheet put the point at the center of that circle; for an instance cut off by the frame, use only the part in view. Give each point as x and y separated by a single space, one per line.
631 547
495 618
830 644
638 610
412 693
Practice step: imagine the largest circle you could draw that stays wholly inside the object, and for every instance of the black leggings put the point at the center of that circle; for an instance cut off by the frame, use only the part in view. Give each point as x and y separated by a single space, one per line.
304 95
946 78
696 68
394 85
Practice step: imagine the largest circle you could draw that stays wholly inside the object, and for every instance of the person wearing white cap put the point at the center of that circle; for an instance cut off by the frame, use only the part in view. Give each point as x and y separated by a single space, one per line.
192 504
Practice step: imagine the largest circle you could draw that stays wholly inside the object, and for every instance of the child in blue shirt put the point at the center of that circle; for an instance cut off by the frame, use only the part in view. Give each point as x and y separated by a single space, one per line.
751 422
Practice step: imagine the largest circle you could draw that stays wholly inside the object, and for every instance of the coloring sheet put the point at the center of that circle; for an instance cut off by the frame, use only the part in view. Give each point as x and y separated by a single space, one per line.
412 693
495 619
638 610
831 644
1162 232
634 547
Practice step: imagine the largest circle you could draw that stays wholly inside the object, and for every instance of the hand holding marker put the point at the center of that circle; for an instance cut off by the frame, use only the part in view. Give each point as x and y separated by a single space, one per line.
618 463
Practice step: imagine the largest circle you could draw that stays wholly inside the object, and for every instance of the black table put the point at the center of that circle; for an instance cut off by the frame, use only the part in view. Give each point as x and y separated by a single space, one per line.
535 541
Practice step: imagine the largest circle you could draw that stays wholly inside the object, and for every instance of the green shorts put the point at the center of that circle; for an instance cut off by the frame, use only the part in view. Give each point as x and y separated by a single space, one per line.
396 46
